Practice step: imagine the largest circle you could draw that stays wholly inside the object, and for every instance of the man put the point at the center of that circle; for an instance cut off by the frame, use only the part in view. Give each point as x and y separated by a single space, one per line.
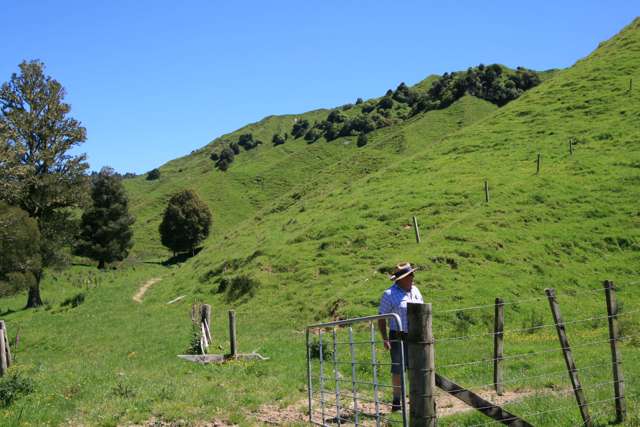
394 300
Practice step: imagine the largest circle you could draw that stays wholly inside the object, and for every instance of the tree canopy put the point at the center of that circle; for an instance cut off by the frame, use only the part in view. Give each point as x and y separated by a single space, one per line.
105 230
36 135
20 249
185 223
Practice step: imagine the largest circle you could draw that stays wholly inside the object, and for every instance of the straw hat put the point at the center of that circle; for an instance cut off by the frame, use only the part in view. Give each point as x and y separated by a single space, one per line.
402 270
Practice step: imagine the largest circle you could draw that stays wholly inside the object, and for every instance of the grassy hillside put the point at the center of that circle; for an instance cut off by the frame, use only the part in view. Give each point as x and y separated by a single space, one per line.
316 227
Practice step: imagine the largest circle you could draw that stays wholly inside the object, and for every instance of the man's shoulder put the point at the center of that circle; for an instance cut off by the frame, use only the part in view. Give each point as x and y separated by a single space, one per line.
390 290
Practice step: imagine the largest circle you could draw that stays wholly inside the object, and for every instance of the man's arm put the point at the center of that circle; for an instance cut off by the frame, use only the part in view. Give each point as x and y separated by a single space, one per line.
382 326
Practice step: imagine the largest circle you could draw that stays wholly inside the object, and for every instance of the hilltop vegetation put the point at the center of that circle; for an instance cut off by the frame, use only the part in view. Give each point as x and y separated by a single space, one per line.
307 232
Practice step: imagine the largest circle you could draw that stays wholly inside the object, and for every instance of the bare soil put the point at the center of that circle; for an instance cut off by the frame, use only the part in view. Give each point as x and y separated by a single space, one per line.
144 287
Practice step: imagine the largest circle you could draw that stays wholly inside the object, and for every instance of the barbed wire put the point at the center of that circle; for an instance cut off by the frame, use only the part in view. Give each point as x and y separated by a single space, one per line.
547 374
532 328
515 356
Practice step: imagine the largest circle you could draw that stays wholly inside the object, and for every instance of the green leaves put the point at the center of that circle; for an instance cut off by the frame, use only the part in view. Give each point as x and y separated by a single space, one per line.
186 222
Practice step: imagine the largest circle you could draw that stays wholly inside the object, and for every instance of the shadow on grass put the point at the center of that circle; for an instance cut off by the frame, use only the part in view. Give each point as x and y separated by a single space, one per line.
176 259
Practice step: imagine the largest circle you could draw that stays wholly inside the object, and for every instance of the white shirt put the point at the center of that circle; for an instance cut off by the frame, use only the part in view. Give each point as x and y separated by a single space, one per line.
394 300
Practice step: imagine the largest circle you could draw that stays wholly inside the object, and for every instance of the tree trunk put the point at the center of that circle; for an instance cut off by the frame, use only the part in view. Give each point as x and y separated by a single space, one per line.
101 264
34 300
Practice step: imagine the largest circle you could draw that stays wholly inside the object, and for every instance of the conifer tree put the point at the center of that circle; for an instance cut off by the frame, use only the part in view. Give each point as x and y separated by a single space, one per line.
105 230
186 222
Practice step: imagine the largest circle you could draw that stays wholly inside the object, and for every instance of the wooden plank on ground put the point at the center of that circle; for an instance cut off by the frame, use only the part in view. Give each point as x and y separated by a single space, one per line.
477 402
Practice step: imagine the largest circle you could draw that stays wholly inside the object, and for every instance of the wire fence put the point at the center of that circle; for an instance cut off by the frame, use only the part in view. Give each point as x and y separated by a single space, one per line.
363 394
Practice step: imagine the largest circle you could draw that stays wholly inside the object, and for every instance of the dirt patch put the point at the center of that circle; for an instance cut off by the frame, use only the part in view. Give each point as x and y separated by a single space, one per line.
153 422
447 405
144 287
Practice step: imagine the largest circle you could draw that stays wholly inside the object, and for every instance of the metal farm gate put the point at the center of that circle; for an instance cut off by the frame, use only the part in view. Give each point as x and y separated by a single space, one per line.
348 374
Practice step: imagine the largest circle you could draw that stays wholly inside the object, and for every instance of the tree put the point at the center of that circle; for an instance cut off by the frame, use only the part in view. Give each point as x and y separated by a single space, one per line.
37 136
362 140
105 230
277 139
153 174
185 223
225 159
20 249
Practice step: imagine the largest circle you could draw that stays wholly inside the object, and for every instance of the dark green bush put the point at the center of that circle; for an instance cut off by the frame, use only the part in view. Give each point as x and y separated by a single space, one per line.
362 140
14 386
153 174
242 286
74 301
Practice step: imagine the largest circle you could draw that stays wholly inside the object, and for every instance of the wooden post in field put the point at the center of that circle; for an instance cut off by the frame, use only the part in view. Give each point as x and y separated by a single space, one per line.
568 357
486 191
538 164
618 378
416 229
7 346
232 334
498 346
571 146
205 314
422 411
630 85
3 356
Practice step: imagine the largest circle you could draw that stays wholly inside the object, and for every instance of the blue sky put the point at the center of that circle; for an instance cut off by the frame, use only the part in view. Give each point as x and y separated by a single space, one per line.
154 80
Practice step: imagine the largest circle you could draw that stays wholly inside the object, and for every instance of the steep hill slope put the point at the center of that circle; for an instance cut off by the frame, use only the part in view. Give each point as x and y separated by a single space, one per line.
314 237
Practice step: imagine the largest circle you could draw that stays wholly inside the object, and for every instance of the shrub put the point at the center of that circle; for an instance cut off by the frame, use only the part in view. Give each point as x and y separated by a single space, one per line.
153 174
336 117
214 156
277 139
312 135
385 103
14 386
359 101
300 128
74 301
362 140
242 286
235 147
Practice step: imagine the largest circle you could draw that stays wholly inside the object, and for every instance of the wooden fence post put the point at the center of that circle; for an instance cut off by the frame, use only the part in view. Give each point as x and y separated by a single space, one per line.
571 146
568 357
205 314
232 334
3 355
618 378
498 346
417 230
486 191
538 164
7 346
422 410
630 85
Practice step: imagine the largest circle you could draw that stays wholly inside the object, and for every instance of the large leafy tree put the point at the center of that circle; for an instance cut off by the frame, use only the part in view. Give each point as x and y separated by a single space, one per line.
105 230
186 222
36 135
20 249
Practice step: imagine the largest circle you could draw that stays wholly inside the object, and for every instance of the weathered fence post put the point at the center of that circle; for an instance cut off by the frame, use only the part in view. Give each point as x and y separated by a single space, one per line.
498 346
232 334
486 191
538 164
630 85
7 346
618 378
568 357
3 356
416 229
205 315
422 411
